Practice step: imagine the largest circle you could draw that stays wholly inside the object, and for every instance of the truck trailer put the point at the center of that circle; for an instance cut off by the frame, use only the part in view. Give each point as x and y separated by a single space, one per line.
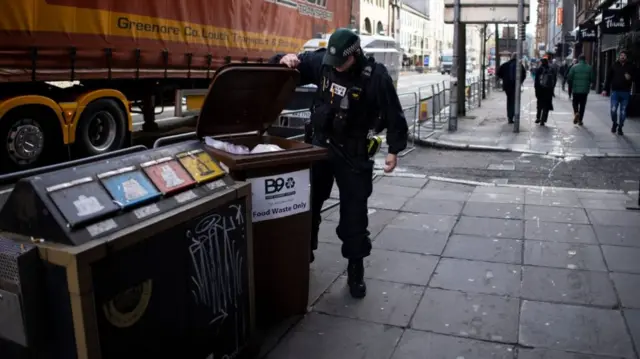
126 56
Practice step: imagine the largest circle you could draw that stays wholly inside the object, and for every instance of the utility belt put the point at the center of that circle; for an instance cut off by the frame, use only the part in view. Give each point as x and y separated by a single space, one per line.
358 147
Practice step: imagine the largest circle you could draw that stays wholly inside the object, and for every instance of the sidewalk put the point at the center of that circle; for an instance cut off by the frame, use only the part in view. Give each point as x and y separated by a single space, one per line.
487 129
478 272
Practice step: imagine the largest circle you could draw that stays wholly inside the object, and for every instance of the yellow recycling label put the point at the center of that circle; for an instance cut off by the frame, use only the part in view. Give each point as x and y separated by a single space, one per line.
200 165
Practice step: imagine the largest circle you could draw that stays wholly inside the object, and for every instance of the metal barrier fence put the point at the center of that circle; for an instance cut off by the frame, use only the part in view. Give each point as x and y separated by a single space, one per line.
425 110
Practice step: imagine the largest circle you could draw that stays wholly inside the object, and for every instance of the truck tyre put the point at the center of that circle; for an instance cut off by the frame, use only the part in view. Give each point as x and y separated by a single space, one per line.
29 138
102 128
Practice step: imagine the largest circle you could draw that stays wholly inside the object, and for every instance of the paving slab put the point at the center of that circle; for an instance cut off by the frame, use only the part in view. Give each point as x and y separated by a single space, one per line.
449 186
525 353
328 258
616 235
433 206
553 199
607 204
622 259
478 316
555 214
499 190
320 336
497 198
473 270
493 210
614 218
490 227
416 345
477 277
408 268
395 190
449 195
411 240
386 201
568 286
632 317
628 287
563 255
387 302
484 249
319 282
574 329
426 222
403 181
559 232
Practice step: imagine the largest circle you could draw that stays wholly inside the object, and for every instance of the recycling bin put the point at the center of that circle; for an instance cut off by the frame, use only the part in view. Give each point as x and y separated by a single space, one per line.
242 103
137 256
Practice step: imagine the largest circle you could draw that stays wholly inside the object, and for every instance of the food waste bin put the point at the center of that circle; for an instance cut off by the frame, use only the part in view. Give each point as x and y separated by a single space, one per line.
137 256
242 102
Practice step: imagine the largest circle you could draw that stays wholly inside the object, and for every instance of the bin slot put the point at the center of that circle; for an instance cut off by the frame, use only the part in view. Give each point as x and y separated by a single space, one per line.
201 166
83 203
76 205
130 189
169 176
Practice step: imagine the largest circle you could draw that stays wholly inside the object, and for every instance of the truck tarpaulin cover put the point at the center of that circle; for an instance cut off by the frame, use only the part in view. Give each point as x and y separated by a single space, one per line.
90 36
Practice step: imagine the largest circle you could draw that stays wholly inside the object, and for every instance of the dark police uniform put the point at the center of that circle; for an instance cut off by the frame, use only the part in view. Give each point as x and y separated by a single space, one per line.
373 104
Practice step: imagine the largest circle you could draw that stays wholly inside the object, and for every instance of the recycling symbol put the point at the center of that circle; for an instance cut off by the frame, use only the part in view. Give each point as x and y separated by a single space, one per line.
290 183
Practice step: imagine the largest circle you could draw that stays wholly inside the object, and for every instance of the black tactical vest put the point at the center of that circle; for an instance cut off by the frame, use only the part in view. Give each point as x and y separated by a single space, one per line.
344 103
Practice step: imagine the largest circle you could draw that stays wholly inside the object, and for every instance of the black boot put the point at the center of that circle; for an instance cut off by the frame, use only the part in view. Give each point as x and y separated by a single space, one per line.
620 131
355 272
614 127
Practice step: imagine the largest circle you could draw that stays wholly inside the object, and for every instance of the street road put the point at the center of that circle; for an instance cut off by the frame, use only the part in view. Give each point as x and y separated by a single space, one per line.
523 169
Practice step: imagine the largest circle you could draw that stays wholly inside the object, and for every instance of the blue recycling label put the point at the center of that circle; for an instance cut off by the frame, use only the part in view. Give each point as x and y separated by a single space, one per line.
131 189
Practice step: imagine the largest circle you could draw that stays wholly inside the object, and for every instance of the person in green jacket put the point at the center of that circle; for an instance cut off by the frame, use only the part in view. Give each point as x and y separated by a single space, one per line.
581 78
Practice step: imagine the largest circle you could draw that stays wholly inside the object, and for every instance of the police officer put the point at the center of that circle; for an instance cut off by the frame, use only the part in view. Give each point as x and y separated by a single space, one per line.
355 97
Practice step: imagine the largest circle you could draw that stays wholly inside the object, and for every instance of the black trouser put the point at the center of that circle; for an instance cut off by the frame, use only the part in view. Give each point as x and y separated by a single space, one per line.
511 103
355 185
579 103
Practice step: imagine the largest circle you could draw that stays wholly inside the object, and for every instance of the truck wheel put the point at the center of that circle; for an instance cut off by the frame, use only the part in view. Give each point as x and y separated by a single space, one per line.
102 128
29 138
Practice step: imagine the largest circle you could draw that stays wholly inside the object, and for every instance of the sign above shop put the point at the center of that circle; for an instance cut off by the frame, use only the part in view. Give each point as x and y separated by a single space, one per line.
587 33
614 22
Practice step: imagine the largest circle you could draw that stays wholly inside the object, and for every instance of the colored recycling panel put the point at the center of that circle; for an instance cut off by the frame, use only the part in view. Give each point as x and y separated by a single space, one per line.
169 176
130 189
83 203
201 166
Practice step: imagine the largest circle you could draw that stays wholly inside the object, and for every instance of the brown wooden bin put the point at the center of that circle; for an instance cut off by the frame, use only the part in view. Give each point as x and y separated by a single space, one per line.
242 102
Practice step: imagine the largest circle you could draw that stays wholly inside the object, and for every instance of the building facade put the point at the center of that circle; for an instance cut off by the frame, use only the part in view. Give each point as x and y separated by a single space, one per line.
560 25
415 34
601 28
374 17
541 24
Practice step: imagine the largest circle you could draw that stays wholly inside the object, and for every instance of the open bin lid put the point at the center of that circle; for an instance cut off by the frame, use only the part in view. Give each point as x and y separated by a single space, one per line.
245 98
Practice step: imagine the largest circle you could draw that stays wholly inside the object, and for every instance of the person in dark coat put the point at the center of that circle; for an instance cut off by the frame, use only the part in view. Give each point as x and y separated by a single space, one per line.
544 85
507 73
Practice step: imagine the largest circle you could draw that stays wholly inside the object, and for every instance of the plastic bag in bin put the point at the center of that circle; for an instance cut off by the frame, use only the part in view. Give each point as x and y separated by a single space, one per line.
240 149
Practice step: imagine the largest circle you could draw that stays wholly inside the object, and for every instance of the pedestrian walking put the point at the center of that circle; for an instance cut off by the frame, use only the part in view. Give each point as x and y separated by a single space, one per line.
580 79
620 77
507 73
566 78
355 95
544 85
